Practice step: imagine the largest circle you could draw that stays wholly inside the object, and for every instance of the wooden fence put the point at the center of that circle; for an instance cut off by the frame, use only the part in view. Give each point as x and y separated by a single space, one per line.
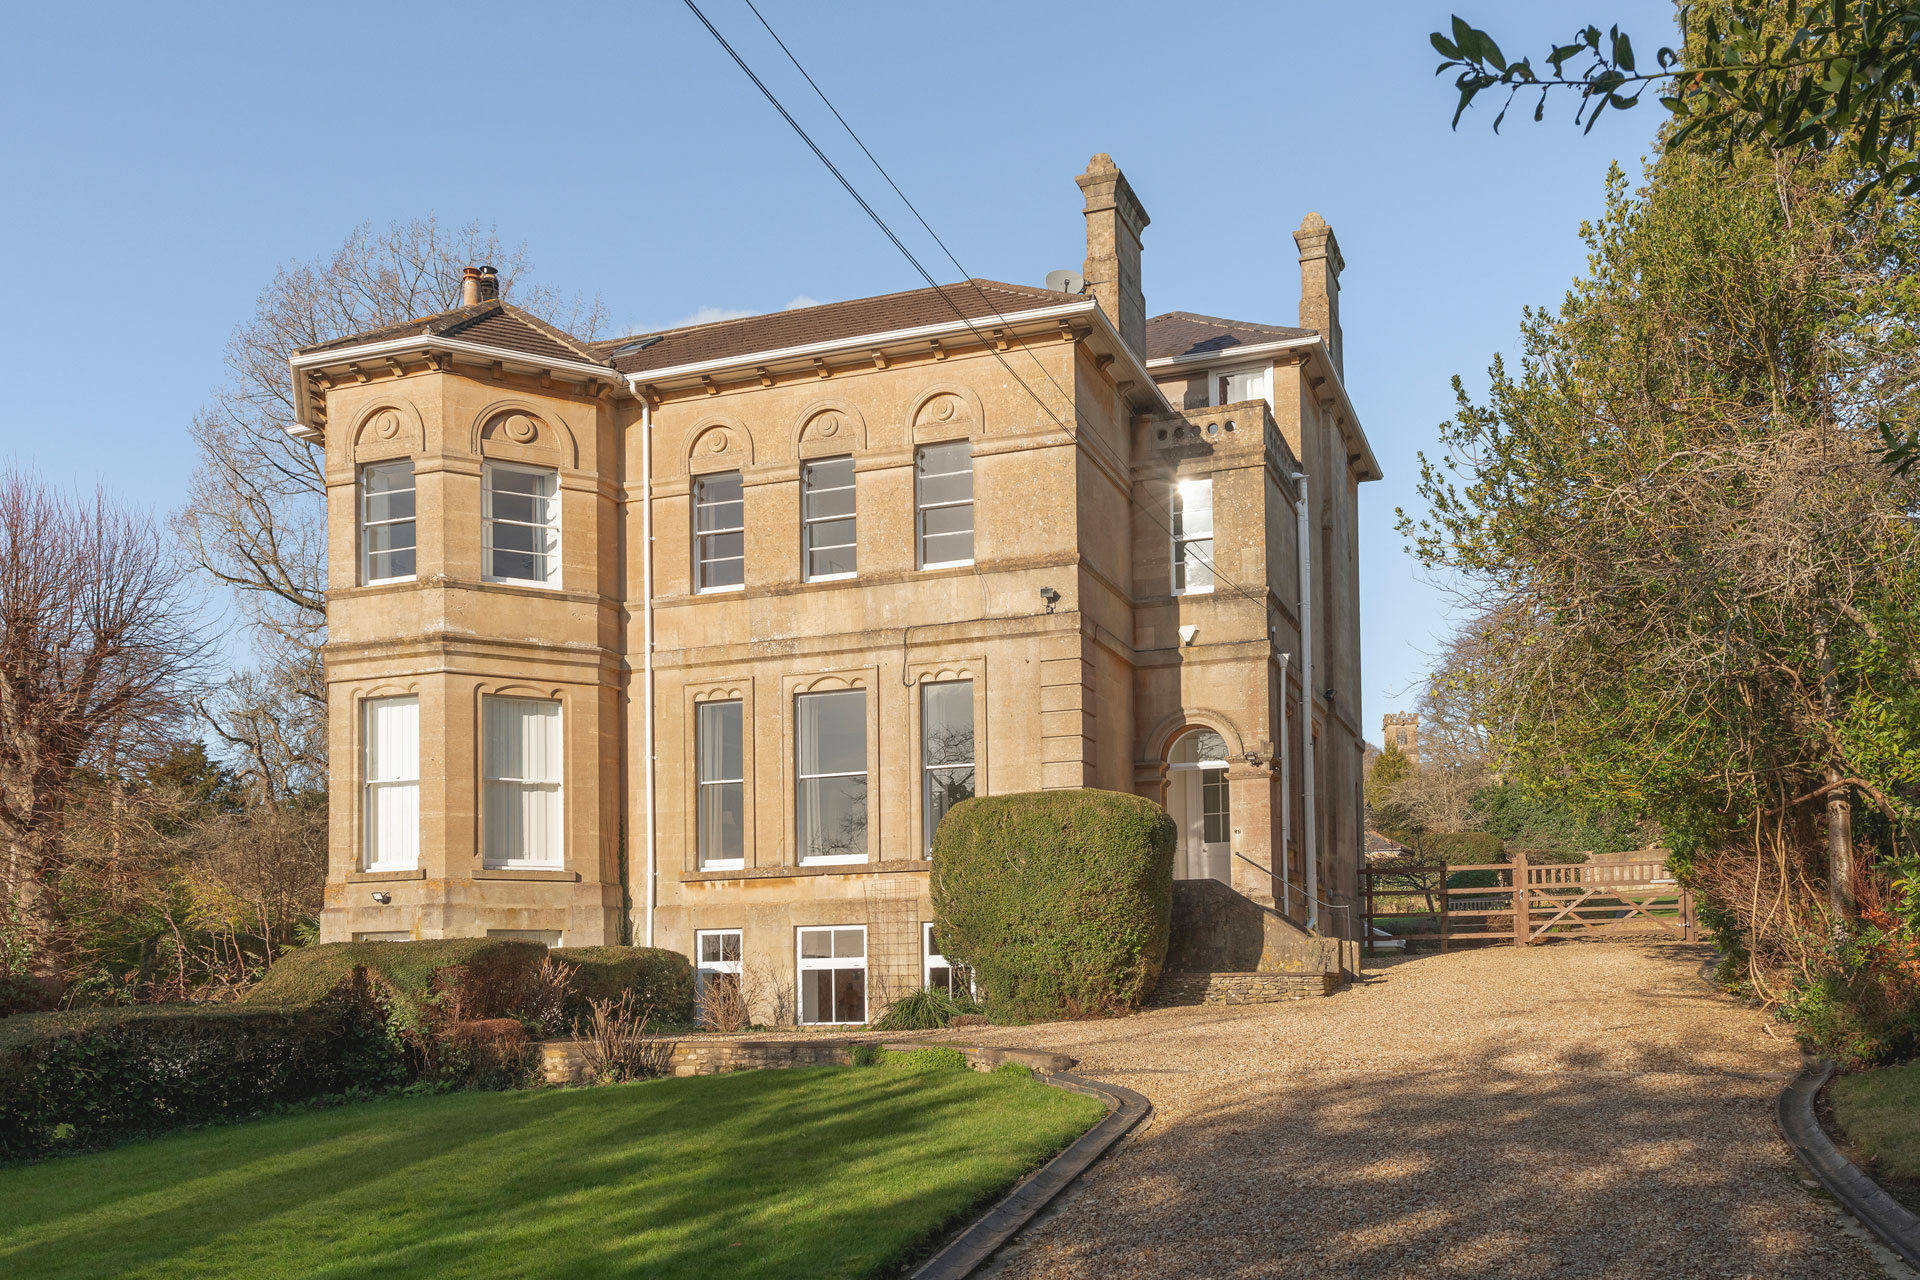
1520 902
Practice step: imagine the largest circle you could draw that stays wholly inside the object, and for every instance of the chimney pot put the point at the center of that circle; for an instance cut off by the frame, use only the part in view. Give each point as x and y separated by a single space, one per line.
470 287
489 284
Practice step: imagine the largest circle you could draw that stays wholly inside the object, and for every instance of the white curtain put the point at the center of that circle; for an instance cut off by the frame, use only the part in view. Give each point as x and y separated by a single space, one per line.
522 820
392 733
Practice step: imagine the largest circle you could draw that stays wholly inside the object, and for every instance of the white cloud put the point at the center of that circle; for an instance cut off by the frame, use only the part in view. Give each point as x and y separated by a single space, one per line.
802 301
708 315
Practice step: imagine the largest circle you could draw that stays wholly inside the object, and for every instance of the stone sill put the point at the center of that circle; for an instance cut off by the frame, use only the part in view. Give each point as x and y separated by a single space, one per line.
895 867
375 877
525 873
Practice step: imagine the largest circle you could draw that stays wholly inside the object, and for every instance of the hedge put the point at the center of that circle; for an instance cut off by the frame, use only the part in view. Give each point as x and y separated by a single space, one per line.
1455 848
660 980
1060 901
85 1079
487 976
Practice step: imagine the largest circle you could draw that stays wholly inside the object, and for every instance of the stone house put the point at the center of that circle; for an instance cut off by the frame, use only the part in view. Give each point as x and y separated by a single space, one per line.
689 639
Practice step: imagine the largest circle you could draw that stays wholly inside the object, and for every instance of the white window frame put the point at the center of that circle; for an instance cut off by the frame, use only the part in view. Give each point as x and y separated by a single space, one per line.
557 832
699 560
1178 498
488 520
808 521
927 772
921 507
931 959
1216 392
366 522
864 773
703 966
701 783
374 854
804 965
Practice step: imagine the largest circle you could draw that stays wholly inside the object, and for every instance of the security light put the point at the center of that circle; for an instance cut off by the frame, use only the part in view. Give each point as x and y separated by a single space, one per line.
1050 597
382 898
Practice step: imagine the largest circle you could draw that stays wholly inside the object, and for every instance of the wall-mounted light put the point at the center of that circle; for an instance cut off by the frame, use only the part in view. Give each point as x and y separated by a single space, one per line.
1049 597
1187 633
382 898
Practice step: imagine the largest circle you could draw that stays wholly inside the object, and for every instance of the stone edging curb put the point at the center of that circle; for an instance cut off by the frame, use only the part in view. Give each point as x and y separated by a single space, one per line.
967 1252
1886 1217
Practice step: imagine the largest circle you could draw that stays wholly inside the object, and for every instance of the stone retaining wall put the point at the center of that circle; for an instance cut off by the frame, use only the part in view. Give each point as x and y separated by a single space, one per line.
1242 988
709 1055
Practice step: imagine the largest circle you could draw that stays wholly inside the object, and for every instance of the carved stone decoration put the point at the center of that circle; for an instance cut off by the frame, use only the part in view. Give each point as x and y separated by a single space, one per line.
386 424
829 427
828 424
718 441
520 428
389 430
946 412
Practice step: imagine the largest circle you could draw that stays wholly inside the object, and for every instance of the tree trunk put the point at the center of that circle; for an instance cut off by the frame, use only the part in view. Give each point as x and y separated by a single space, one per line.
1839 850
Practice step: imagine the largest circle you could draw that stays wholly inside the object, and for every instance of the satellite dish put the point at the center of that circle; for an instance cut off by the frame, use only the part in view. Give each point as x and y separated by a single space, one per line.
1064 281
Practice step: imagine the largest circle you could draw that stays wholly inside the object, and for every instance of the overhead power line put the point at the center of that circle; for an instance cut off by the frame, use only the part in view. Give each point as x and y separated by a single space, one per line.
966 277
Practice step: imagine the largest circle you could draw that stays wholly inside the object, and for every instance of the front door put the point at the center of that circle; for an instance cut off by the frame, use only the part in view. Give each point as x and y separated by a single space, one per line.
1200 812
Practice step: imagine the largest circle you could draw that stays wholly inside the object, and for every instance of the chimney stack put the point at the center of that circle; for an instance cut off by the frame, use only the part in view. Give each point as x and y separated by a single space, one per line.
1115 220
1320 267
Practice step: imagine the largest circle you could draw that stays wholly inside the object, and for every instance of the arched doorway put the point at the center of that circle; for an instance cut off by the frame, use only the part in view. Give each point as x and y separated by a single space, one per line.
1197 799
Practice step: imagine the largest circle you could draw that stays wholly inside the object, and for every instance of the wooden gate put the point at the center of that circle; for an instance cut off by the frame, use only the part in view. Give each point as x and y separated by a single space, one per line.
1522 903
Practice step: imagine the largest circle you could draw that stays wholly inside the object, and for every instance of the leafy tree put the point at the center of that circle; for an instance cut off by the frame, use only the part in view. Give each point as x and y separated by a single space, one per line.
1700 591
1801 76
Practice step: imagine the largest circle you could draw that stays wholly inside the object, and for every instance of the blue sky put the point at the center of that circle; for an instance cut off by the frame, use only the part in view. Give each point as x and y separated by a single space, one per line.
160 162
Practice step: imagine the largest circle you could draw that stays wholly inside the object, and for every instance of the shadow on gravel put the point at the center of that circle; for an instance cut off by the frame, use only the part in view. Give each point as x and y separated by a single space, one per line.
1492 1174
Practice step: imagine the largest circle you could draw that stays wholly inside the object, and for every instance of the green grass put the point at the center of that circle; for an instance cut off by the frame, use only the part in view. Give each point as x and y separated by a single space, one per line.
1880 1113
819 1172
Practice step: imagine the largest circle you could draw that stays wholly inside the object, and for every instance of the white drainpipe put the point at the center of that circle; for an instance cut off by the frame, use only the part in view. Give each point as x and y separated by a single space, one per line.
1309 844
1286 798
646 628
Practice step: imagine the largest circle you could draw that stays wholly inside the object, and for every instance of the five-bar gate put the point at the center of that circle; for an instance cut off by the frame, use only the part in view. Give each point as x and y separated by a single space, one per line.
1522 902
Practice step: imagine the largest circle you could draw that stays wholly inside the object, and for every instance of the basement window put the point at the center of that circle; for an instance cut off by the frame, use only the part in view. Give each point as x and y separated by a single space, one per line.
833 975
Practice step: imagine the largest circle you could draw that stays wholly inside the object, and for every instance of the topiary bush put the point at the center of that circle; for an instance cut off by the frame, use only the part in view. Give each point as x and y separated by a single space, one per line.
70 1081
1060 901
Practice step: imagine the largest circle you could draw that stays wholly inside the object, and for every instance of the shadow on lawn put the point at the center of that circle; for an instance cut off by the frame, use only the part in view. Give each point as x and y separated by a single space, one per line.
825 1182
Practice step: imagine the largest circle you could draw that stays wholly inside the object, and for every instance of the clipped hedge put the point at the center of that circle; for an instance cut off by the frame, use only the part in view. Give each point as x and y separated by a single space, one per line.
660 980
486 977
70 1081
1061 901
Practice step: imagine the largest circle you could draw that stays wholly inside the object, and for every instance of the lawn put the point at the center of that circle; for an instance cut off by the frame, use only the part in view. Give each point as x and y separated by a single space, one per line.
819 1172
1879 1111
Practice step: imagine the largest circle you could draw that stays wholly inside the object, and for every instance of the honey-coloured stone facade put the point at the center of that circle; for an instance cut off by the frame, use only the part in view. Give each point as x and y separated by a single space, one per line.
1087 442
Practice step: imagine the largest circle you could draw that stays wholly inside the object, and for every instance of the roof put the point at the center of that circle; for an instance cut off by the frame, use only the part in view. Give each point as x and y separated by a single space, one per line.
1379 844
492 323
1182 333
722 339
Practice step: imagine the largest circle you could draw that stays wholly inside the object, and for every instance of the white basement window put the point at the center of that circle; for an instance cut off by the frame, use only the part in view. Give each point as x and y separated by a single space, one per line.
833 975
939 973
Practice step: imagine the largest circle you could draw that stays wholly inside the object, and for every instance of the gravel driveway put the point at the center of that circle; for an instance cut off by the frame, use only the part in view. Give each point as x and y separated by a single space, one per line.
1581 1109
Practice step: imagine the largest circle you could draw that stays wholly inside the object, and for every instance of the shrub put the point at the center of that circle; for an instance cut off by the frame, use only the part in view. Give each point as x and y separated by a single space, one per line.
863 1055
927 1009
614 1044
661 981
468 979
85 1079
1060 901
1455 848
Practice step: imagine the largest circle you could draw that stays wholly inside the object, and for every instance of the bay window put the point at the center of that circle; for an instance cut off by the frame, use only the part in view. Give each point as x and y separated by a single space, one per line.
521 814
387 522
520 524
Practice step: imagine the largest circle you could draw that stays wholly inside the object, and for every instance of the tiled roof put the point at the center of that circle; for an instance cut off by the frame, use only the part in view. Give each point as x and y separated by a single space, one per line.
492 323
1181 333
971 299
1377 843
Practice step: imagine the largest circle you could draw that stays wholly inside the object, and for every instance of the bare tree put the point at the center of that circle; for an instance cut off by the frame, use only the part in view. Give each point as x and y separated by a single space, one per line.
255 519
99 647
